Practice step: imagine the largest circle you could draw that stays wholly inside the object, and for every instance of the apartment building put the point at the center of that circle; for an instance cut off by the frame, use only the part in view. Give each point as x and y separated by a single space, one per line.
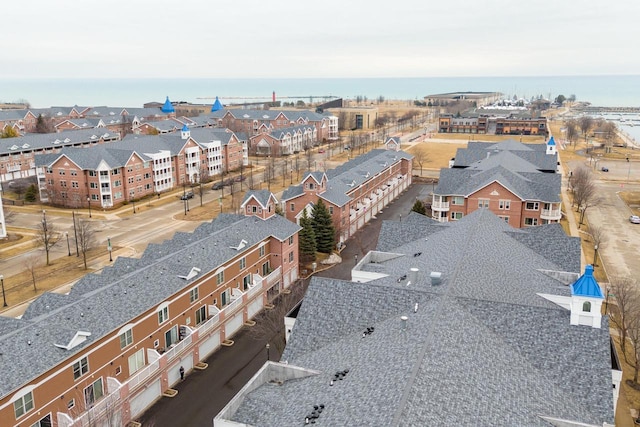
355 191
467 324
518 182
117 341
283 142
493 123
138 166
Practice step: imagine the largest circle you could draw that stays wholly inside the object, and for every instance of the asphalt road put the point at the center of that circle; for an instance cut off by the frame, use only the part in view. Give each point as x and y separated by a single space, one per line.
205 393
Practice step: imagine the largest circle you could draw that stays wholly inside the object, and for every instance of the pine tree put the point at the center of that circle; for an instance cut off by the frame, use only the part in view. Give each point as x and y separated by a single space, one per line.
418 206
31 194
307 239
323 227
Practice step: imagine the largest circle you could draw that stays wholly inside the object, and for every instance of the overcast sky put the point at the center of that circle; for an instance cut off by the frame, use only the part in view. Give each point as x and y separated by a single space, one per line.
329 38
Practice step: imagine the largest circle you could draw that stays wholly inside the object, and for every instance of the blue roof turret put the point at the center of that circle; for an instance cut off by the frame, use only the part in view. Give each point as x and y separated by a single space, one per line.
185 128
168 107
586 285
217 105
551 141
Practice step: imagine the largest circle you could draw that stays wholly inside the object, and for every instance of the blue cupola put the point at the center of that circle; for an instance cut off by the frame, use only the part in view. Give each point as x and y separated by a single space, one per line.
586 300
551 146
217 105
185 133
168 107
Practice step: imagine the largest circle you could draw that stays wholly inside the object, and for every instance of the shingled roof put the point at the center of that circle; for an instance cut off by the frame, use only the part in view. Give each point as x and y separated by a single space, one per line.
481 348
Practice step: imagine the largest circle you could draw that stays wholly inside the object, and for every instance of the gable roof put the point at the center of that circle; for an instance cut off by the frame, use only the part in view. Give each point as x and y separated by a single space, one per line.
480 349
260 196
533 155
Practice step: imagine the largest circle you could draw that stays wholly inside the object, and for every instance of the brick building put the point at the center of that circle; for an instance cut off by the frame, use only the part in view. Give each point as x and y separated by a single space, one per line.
108 349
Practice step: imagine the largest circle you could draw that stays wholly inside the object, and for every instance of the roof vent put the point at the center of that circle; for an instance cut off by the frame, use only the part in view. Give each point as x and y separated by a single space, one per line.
413 275
242 244
436 278
368 331
193 273
403 320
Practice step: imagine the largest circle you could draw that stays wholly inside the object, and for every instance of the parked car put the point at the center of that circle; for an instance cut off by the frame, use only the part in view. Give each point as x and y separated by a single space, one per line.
186 196
321 151
240 178
604 169
217 186
634 219
228 182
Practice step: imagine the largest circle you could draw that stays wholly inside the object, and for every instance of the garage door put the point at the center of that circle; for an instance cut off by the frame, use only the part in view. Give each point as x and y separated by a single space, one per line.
233 325
143 400
173 373
254 307
209 345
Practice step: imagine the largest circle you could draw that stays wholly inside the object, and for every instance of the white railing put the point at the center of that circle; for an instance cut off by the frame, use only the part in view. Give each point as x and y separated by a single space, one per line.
550 214
209 324
176 349
254 290
142 374
105 409
440 205
273 277
233 305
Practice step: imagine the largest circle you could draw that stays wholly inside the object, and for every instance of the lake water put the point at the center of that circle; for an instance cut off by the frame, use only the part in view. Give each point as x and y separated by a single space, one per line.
622 91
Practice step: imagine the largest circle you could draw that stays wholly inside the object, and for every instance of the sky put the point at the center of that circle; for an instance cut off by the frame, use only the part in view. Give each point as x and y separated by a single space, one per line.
329 38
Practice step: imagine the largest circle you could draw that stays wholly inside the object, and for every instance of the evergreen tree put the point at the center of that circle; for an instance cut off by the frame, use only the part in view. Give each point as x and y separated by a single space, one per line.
323 227
307 239
31 194
418 206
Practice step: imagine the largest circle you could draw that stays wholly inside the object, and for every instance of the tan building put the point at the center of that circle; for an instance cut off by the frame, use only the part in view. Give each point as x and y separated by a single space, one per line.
110 348
356 118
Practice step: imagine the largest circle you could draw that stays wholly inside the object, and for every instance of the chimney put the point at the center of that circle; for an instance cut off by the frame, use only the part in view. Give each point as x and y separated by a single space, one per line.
413 275
403 320
436 278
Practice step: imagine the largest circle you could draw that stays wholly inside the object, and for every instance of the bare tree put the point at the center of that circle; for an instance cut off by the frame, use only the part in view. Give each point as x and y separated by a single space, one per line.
633 334
599 237
420 156
585 123
86 235
31 265
610 132
584 189
571 127
308 153
623 307
47 235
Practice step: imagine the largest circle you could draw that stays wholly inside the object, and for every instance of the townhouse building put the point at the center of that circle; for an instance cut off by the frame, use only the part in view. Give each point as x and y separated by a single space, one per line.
18 155
355 191
283 142
518 182
257 122
493 123
137 166
104 352
468 324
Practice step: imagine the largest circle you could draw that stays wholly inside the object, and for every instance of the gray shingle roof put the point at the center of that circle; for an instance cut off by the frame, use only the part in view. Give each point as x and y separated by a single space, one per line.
89 159
532 156
481 349
39 141
105 302
262 196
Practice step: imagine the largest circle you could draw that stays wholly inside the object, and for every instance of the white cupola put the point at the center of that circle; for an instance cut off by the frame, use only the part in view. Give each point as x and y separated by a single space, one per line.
185 133
586 300
551 146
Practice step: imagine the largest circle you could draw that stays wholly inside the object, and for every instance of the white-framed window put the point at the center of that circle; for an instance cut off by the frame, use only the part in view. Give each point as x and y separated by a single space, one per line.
243 263
246 281
23 404
483 203
504 218
93 393
586 307
291 256
126 338
163 315
291 240
136 361
43 422
193 295
80 368
71 403
532 206
331 210
292 207
456 215
118 370
225 297
220 278
531 221
261 251
457 200
504 204
201 315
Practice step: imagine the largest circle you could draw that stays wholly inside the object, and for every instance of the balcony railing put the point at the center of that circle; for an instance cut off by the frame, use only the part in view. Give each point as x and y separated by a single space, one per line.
552 214
273 277
142 374
440 206
176 349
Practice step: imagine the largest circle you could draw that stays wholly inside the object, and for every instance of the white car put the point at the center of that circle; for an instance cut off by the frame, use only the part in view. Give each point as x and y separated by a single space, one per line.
634 219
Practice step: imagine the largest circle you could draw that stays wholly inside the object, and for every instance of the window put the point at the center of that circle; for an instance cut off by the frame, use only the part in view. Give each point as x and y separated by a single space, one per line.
532 206
93 393
136 361
456 215
243 263
118 370
531 221
293 207
201 315
220 278
44 422
74 172
265 268
331 210
457 200
483 203
126 338
246 281
163 315
171 336
74 184
261 250
291 256
291 240
504 204
224 298
80 368
504 218
61 171
71 403
23 405
193 294
586 307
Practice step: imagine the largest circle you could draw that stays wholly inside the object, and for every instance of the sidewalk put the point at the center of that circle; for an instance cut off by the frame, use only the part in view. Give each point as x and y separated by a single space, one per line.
574 229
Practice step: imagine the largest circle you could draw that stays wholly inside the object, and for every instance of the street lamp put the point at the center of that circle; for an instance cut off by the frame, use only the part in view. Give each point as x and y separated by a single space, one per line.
134 205
109 248
89 202
595 255
268 347
75 231
4 299
66 234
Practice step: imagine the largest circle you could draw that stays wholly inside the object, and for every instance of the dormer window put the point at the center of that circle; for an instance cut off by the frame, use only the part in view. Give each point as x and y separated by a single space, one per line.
586 307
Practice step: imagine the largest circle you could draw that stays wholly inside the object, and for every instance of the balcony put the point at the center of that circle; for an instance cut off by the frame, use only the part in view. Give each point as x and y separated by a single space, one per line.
273 277
551 214
440 206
